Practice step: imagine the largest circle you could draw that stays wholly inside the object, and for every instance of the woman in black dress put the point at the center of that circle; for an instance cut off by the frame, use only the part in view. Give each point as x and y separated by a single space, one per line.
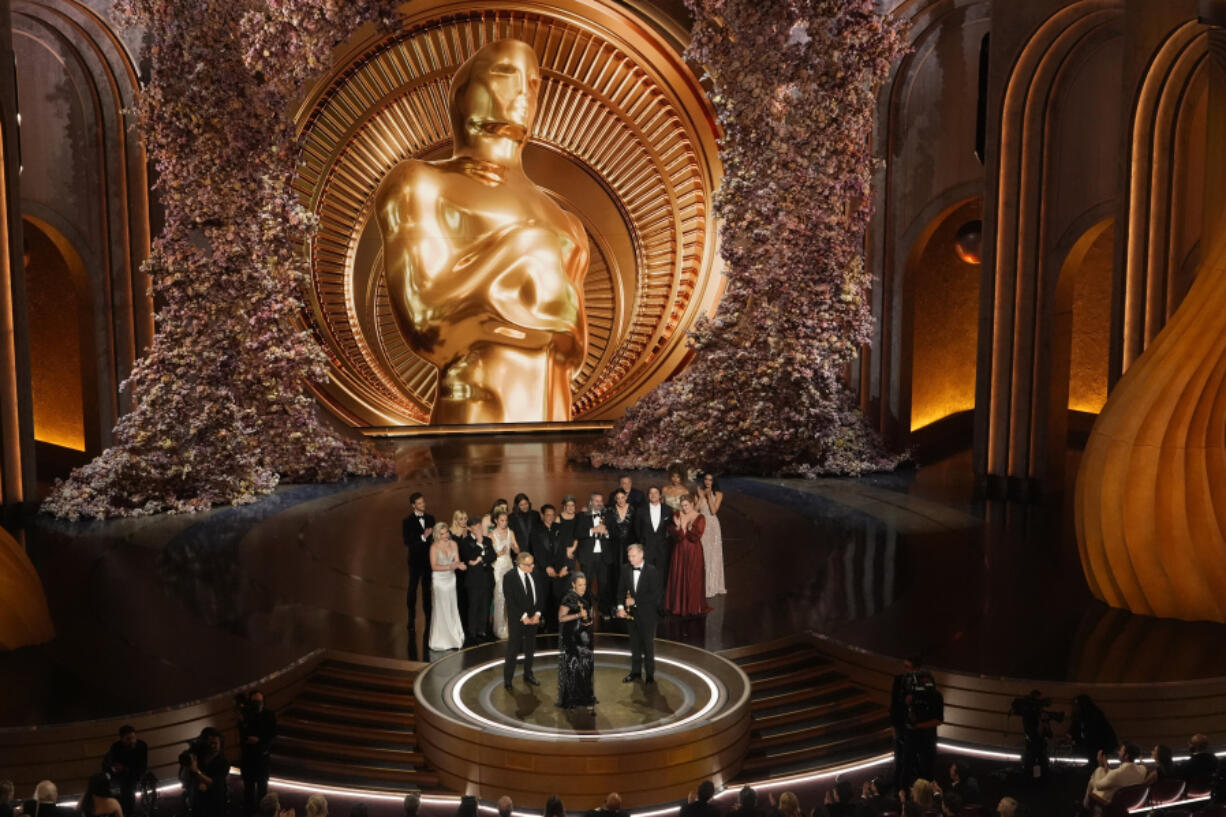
621 527
575 656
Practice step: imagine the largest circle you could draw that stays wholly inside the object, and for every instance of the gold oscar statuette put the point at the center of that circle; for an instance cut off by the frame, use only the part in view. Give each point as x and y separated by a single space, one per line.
484 270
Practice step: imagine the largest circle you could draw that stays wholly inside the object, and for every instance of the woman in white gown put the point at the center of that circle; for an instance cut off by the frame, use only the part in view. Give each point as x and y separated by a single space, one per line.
710 498
446 629
507 549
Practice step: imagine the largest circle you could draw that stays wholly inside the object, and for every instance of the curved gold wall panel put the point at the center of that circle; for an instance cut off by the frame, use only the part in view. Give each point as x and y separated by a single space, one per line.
624 138
1151 492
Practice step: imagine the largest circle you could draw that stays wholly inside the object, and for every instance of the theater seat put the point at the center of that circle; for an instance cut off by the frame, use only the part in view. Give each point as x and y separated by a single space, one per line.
1126 799
1163 792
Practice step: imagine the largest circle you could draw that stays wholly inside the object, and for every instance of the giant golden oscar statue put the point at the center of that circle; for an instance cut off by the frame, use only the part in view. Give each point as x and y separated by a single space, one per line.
485 272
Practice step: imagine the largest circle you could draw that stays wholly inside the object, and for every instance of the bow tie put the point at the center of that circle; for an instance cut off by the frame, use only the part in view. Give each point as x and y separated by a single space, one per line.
636 569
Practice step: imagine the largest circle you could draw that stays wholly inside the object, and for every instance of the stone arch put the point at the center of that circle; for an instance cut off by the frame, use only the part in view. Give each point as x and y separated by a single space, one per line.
883 375
1151 285
1018 285
86 177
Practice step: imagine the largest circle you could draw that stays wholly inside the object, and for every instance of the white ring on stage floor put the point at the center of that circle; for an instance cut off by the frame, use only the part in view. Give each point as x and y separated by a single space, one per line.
458 702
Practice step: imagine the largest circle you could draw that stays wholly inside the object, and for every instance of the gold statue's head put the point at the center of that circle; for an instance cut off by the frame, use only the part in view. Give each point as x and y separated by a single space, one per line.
493 94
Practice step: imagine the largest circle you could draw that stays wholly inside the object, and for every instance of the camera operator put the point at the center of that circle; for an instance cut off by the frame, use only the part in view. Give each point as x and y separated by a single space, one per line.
126 763
257 727
204 769
917 708
1036 730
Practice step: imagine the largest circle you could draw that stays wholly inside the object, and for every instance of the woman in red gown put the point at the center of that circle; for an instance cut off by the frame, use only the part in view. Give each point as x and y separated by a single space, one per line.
686 595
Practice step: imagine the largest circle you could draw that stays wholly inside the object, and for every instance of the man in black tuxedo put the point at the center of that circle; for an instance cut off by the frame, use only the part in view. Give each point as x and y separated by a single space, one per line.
477 550
418 531
639 593
524 605
652 531
597 555
633 495
523 521
547 547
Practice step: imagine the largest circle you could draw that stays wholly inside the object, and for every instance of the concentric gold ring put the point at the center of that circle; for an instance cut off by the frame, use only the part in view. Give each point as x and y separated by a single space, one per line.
624 139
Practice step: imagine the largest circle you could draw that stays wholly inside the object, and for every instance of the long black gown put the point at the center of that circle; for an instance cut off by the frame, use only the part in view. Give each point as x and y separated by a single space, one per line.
575 658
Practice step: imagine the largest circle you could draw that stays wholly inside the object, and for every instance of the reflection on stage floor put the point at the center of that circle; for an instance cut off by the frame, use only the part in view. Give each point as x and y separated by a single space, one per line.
153 612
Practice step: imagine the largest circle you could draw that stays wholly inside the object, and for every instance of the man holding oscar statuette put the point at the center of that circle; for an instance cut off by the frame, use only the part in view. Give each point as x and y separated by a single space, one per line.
639 593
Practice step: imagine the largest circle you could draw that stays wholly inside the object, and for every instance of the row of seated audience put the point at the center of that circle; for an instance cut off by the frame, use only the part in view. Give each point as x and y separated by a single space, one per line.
875 798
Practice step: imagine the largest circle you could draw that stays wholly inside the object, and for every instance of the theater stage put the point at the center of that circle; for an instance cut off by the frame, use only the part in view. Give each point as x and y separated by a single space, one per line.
154 612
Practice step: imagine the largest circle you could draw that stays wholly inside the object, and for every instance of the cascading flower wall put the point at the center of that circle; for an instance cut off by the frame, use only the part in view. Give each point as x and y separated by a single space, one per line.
795 86
222 409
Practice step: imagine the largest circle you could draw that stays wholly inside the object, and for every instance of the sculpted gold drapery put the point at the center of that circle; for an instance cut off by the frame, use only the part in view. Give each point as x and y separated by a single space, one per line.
484 270
623 144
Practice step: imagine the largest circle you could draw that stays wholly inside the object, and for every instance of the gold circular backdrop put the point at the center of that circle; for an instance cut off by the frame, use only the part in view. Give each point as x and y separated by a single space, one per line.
624 139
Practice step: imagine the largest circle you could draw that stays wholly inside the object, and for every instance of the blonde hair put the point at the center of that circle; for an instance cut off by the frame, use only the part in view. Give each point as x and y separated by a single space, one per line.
922 794
456 516
789 804
317 806
439 527
46 792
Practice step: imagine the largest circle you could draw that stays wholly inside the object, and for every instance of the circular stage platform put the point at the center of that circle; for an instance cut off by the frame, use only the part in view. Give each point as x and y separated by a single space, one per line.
647 742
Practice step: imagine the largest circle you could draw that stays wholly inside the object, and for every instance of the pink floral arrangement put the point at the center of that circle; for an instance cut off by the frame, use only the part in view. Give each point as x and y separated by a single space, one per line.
223 409
795 85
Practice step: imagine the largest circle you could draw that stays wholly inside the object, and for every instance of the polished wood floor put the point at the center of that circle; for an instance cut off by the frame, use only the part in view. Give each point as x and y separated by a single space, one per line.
154 612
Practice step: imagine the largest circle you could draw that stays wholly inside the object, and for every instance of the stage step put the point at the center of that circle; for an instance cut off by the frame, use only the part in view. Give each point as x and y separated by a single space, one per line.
806 715
352 725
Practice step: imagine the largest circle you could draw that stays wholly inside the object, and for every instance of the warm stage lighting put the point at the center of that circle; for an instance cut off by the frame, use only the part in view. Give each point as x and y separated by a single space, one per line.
968 242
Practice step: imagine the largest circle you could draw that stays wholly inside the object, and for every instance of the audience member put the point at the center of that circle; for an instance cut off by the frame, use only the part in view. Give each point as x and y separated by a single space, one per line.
962 784
505 806
257 726
554 807
922 800
468 806
1007 807
1089 730
951 805
126 762
1164 764
840 802
207 770
44 802
7 791
612 807
412 802
1105 781
317 806
270 806
699 802
97 800
1199 770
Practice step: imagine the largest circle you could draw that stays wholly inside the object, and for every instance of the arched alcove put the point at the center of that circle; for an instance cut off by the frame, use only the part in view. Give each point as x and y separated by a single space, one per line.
942 295
61 328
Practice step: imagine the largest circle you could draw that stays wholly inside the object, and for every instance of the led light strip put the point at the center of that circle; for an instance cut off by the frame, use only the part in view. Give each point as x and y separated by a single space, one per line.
502 727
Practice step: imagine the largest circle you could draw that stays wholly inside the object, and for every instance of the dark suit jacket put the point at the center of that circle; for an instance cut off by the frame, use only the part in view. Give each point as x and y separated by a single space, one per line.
518 602
546 544
649 594
411 529
587 542
700 808
524 524
477 575
653 540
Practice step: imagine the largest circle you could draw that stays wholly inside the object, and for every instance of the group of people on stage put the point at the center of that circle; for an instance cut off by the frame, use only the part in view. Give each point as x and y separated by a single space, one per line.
577 557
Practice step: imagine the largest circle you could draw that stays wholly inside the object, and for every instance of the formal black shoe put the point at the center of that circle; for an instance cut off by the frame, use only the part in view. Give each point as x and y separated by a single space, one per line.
509 688
531 679
629 679
650 679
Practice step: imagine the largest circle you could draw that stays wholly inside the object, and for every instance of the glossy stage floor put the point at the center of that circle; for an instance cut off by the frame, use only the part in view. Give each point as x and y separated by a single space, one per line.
155 612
